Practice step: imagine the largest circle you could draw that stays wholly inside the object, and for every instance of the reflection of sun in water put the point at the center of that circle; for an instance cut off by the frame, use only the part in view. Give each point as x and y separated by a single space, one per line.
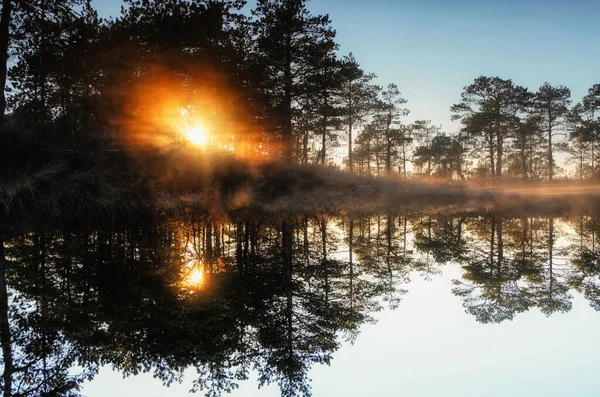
192 278
196 135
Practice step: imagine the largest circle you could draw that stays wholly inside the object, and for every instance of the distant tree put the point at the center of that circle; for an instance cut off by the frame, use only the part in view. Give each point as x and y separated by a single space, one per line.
286 35
307 121
366 147
487 110
388 123
357 96
551 105
323 86
581 143
443 153
527 135
584 125
424 133
443 156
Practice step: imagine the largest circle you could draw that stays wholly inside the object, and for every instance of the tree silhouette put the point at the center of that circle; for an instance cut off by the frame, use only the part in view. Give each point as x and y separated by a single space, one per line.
551 105
487 108
358 97
286 36
492 292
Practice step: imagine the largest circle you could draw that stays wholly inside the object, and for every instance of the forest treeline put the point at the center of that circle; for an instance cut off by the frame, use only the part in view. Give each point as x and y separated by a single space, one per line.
68 78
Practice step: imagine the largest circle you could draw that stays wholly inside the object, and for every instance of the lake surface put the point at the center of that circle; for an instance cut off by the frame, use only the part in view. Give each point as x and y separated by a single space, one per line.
459 304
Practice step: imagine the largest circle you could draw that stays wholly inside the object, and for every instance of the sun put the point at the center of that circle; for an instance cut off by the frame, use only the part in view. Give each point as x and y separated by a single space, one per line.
196 135
196 277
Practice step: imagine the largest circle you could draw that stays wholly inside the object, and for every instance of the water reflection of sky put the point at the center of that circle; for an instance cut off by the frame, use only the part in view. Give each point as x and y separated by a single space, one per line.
429 346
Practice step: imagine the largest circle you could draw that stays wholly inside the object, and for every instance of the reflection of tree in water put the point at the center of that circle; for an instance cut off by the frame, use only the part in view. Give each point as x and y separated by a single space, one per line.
518 269
276 294
491 290
551 280
379 250
586 259
440 239
37 358
114 296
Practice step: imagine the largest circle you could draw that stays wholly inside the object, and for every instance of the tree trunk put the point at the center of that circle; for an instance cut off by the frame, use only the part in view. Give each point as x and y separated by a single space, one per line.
388 156
550 159
377 155
459 166
429 167
404 159
492 238
492 165
209 249
459 226
593 161
523 237
286 251
498 149
580 160
351 264
350 122
287 99
4 45
324 125
305 147
5 333
238 247
324 262
551 251
324 141
530 158
216 232
500 246
369 157
523 158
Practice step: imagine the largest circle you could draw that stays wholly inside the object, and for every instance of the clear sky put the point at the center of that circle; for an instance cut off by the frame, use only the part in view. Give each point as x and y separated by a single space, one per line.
432 48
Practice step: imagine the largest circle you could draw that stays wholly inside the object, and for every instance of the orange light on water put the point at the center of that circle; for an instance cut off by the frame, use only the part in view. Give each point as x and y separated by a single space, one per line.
193 278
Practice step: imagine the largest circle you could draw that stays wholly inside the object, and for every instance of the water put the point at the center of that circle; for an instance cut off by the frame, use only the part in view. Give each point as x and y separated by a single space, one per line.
459 304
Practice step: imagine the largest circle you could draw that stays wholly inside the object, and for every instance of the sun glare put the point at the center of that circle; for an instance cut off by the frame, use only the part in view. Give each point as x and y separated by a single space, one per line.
196 277
196 135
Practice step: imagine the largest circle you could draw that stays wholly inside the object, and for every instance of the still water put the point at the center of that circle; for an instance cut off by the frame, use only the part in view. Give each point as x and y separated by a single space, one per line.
460 304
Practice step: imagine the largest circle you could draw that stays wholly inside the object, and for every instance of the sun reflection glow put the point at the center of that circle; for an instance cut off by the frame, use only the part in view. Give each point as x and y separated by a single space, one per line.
196 134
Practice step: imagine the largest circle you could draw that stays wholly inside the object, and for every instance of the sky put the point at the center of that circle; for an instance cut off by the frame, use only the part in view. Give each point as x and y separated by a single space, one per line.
433 48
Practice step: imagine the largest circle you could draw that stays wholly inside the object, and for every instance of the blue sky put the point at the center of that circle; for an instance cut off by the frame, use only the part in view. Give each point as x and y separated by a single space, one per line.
432 48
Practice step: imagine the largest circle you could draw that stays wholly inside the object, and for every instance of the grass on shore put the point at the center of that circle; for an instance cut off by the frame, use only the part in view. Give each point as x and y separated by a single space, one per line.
184 179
